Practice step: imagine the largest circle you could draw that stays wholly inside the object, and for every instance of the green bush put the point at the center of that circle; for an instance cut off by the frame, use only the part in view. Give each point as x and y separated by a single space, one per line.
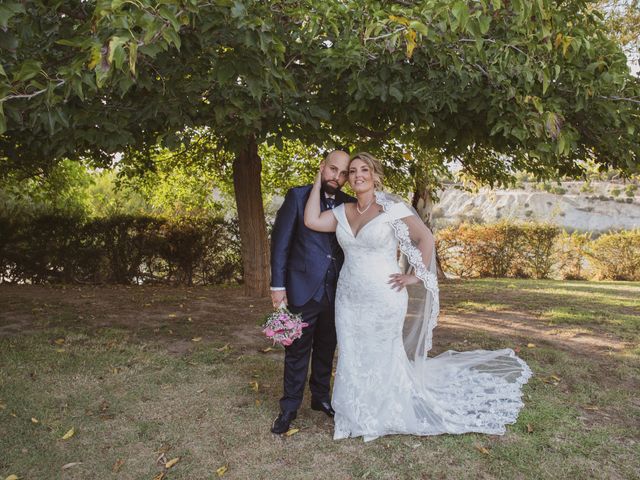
616 256
570 255
501 249
537 250
125 249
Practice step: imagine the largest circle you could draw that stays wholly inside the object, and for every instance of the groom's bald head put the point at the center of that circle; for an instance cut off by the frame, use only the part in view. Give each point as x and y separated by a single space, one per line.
335 173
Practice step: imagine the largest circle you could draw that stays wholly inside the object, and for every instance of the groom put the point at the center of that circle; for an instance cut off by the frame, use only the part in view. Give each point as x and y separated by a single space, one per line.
304 271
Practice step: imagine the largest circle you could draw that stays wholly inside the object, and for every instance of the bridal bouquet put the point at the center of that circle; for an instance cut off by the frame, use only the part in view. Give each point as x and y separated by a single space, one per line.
283 327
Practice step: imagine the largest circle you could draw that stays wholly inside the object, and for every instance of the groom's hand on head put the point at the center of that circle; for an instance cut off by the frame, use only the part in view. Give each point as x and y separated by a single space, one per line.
278 297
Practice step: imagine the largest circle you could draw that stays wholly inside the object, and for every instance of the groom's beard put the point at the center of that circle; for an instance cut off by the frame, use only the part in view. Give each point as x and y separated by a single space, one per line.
330 187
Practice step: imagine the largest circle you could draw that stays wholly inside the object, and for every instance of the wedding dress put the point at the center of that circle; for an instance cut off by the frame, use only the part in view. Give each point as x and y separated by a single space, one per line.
385 383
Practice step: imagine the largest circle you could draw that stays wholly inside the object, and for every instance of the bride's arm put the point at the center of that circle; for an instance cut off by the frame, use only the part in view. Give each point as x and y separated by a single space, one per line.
314 218
422 238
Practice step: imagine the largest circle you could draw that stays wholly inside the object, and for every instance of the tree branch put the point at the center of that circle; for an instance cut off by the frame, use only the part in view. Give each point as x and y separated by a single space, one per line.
31 95
622 99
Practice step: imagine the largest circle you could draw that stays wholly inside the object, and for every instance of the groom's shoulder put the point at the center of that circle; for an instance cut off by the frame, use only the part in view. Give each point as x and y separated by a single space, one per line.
299 191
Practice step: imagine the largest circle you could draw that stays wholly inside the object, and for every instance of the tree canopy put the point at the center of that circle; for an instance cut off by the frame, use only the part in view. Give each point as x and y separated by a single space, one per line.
500 85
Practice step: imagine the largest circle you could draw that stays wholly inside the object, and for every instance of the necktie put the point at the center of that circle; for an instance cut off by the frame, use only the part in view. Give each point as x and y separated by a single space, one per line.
330 202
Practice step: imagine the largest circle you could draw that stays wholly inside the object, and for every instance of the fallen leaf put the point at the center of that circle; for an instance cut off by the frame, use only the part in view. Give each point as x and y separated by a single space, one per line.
69 465
12 477
34 420
529 428
254 386
171 462
258 402
2 406
292 431
267 350
591 407
69 434
189 319
222 470
531 345
59 341
172 315
159 476
60 350
554 377
117 466
224 348
200 391
483 450
196 339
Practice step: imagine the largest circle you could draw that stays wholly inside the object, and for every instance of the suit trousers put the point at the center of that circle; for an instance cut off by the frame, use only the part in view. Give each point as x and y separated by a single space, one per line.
318 344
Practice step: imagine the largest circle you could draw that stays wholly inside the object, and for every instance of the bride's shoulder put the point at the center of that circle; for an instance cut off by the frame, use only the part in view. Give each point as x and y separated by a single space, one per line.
398 210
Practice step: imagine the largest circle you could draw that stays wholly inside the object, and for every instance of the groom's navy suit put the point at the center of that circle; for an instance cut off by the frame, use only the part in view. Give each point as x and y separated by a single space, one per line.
306 264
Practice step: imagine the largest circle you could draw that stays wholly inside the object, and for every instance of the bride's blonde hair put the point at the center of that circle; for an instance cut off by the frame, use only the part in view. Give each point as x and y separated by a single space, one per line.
375 166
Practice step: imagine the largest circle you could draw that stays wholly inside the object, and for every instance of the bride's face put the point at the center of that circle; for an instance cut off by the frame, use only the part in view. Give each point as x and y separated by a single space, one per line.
361 176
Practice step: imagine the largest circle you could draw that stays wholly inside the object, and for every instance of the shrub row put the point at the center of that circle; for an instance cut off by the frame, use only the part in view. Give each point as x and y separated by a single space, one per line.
534 250
123 249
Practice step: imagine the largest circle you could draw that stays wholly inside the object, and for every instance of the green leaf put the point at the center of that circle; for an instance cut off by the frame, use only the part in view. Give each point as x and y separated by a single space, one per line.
166 13
485 23
238 10
419 27
133 56
545 81
116 52
3 120
225 72
28 70
537 103
460 11
9 10
395 93
172 37
319 112
561 145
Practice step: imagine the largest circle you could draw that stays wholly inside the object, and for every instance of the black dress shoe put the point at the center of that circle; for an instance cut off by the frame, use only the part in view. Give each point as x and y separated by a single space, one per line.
322 406
281 424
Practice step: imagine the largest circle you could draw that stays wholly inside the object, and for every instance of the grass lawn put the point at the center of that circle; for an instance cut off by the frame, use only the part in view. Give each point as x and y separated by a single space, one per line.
146 375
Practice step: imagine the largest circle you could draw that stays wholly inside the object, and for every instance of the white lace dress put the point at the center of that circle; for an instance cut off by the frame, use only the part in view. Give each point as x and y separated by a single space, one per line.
375 391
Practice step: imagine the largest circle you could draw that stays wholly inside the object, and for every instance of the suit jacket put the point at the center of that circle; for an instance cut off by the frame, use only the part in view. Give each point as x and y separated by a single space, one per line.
300 257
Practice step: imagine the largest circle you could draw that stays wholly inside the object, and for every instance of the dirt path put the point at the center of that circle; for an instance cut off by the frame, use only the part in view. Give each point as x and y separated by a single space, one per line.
176 314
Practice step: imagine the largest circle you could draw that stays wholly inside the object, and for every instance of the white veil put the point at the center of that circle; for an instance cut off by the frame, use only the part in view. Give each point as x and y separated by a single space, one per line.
417 247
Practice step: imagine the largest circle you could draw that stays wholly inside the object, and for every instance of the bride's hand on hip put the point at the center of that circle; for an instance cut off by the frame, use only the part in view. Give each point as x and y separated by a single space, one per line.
398 280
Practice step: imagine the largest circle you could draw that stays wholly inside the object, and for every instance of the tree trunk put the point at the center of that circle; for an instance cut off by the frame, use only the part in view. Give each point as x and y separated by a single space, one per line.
253 228
423 203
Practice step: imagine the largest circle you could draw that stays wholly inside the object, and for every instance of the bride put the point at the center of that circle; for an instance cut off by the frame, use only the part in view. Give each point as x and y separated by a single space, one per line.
385 383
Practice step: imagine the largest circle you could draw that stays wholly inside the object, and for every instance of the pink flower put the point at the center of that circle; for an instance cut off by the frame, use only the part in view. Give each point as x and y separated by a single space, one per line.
268 332
286 342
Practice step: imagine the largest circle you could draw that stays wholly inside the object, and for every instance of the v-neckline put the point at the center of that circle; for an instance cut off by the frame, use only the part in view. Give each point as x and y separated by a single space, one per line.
355 235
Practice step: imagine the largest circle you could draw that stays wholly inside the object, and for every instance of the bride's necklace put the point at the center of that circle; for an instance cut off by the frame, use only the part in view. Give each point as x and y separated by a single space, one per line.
365 208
